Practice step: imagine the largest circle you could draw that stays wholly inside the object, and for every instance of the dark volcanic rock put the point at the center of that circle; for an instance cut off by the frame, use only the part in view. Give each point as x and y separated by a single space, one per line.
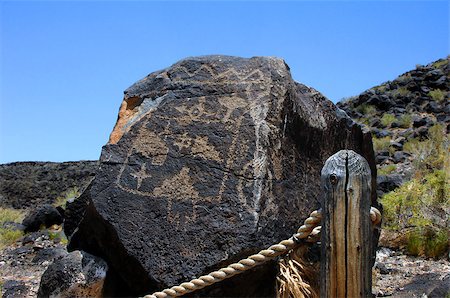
211 160
30 184
387 183
78 274
49 254
46 215
14 289
74 212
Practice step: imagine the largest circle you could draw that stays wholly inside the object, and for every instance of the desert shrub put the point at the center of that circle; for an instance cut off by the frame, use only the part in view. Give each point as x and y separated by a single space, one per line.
427 241
431 153
387 119
423 204
440 63
11 215
7 234
380 144
366 109
387 169
381 88
69 194
401 92
437 94
405 121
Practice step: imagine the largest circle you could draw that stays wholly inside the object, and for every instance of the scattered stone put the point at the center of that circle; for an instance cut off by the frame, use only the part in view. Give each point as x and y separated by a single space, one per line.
78 274
46 215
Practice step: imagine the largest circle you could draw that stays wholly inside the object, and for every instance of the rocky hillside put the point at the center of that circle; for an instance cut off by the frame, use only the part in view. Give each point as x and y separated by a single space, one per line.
30 184
401 112
409 118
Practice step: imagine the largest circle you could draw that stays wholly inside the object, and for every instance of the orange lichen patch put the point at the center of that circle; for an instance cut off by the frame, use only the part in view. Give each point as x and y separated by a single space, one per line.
126 112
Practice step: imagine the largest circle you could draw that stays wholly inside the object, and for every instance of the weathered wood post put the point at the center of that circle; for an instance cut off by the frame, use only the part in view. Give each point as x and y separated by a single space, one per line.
346 227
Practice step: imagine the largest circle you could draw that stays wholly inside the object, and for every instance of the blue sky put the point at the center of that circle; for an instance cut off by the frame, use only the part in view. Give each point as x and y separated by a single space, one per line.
64 65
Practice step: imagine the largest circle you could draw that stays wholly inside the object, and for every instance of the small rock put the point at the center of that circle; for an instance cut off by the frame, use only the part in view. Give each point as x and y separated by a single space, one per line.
400 156
46 215
49 254
381 133
383 269
421 132
396 145
387 183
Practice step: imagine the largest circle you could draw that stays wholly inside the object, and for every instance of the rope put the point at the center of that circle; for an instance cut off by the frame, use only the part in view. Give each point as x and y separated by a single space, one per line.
310 227
243 265
375 216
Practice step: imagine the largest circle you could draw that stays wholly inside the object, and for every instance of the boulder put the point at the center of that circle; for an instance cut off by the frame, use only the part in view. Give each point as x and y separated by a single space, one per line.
78 274
45 215
211 160
387 183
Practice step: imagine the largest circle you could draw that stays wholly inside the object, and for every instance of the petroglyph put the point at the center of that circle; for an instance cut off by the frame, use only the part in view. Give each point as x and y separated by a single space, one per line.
178 188
141 175
230 112
151 146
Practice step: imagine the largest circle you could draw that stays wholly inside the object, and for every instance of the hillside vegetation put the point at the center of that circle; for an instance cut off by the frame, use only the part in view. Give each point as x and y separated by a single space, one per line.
409 119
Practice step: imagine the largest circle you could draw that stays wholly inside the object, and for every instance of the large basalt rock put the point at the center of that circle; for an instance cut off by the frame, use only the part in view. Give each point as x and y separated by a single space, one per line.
211 160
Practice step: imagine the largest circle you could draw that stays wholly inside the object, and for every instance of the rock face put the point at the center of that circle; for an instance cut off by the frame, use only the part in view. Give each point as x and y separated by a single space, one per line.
211 160
30 184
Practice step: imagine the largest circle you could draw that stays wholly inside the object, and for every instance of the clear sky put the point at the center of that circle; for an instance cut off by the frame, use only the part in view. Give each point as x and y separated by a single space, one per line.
64 65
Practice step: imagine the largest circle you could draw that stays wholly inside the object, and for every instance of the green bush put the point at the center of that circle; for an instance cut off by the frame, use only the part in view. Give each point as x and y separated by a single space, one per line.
437 94
380 144
422 204
70 193
9 236
387 119
366 109
427 241
401 92
405 121
386 170
440 63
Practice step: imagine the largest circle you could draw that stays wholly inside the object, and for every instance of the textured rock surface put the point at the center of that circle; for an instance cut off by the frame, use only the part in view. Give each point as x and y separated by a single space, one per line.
30 184
78 274
210 160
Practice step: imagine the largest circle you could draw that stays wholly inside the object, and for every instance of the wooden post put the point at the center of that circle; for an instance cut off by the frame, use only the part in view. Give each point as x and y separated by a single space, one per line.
346 269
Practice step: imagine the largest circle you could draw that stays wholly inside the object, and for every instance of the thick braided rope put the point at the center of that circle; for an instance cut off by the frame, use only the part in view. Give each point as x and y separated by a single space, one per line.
243 265
310 225
375 215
